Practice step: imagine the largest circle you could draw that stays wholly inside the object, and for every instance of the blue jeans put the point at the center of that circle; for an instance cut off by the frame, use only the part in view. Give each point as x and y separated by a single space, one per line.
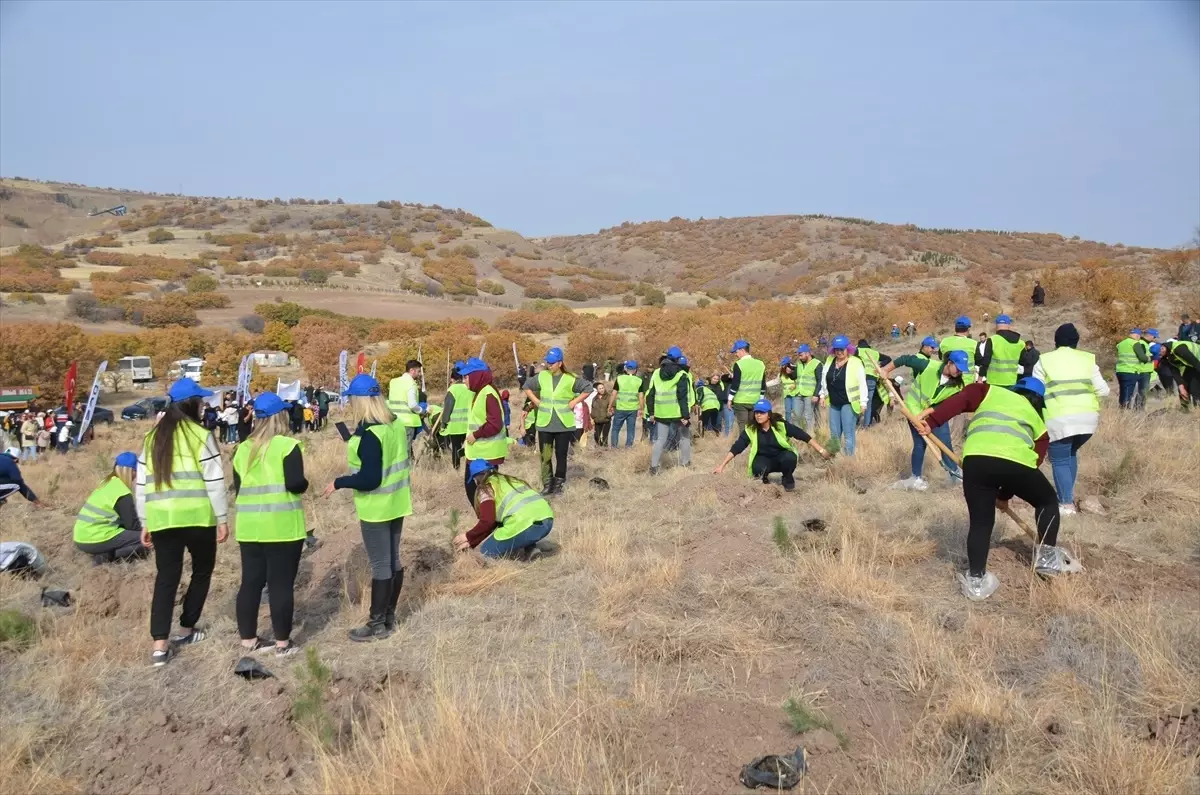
872 385
808 413
1127 385
942 432
791 405
1064 465
842 422
29 453
628 418
727 420
526 538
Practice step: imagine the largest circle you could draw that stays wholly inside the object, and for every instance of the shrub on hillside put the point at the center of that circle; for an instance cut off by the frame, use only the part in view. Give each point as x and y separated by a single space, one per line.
491 287
88 307
159 235
27 298
252 323
539 317
201 283
162 313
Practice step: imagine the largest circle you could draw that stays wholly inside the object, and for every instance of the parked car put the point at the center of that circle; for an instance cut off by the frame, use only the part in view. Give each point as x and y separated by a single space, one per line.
145 408
99 414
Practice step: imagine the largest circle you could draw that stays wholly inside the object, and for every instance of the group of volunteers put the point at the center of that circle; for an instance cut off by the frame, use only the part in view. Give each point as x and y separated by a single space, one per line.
170 498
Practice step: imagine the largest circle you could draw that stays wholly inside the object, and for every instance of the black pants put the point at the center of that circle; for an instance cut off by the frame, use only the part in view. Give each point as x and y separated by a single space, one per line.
600 431
553 446
169 546
273 564
124 545
710 421
456 441
987 479
784 462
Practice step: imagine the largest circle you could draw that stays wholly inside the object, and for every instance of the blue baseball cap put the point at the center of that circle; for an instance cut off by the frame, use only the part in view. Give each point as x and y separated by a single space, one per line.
553 356
840 343
959 360
362 385
473 365
1033 385
785 361
1151 332
804 348
762 404
682 360
1135 331
186 388
126 459
674 352
268 404
962 321
478 466
1155 350
1003 320
630 364
699 382
930 342
459 365
737 346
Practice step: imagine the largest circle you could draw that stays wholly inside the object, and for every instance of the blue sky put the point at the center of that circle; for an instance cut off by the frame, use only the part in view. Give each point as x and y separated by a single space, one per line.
1079 118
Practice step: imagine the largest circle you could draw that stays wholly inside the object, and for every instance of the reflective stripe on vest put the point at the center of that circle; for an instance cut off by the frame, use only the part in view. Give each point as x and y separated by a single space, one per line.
185 503
787 385
517 508
928 390
780 436
1068 378
1002 370
1005 426
708 399
398 391
1194 348
1127 360
853 367
555 399
265 510
628 387
457 423
870 359
97 520
750 385
491 447
666 396
392 499
806 377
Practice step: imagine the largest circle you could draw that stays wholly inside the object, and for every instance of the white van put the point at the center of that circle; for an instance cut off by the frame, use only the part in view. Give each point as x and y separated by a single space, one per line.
136 369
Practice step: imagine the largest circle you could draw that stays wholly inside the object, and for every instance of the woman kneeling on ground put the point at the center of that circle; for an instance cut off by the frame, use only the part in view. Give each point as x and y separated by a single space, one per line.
268 479
513 517
770 450
107 527
379 475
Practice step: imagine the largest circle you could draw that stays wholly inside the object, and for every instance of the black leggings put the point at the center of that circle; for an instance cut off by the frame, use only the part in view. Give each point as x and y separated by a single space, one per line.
710 421
554 446
987 479
169 546
273 564
784 462
600 432
455 440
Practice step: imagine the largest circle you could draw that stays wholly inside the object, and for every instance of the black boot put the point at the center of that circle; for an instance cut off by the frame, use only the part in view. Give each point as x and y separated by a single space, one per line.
389 617
553 486
375 629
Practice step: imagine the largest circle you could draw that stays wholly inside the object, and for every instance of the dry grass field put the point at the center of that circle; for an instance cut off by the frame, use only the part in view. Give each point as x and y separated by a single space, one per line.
655 651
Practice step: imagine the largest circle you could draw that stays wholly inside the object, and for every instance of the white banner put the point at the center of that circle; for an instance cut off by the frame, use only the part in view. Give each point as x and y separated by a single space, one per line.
288 391
373 367
245 371
343 382
91 404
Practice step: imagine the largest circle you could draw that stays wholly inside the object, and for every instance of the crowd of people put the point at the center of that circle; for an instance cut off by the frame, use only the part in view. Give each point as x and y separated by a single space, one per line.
37 433
1015 410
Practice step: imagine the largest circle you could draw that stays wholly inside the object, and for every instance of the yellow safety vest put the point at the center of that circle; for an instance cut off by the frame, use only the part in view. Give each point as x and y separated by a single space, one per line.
392 499
806 377
959 343
1127 360
492 447
752 432
266 510
666 399
1003 369
750 385
853 367
1004 426
398 391
1068 378
185 503
456 424
628 387
555 399
517 508
97 520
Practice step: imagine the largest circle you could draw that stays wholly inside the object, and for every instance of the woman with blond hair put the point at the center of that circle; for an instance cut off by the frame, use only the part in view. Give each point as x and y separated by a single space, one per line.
379 476
268 479
180 497
107 527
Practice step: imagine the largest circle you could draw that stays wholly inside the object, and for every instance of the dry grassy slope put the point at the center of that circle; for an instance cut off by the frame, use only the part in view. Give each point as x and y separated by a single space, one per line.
774 250
652 654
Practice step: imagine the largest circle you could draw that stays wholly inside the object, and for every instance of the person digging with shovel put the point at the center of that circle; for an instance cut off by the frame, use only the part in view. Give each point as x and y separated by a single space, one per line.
1006 442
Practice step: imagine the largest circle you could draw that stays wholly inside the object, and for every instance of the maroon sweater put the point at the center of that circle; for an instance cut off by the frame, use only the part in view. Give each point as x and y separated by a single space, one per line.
485 524
494 423
966 402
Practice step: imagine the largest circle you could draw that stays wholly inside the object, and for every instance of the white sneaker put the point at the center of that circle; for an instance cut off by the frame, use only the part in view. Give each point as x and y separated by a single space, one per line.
920 484
1067 509
904 484
978 588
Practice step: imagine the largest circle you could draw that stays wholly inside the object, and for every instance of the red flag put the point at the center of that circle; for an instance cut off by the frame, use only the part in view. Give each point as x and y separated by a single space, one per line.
362 363
69 385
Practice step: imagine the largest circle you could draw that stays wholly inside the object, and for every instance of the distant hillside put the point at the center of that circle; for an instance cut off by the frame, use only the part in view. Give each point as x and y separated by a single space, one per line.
801 254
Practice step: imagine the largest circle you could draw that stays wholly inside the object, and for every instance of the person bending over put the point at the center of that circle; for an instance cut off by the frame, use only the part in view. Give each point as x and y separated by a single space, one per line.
512 516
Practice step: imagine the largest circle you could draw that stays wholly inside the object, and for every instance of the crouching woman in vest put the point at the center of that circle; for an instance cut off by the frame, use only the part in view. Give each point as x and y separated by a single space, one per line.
268 479
770 451
512 517
107 527
180 497
379 476
1006 441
